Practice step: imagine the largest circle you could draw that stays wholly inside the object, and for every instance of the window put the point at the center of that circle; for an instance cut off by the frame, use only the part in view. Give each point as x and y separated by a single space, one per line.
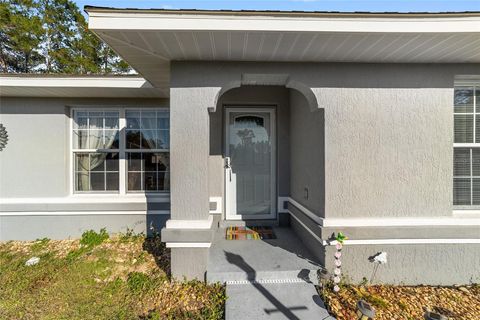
147 133
130 145
466 151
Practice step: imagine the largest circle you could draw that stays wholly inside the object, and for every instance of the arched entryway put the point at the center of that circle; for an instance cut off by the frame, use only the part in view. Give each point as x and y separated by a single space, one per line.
252 168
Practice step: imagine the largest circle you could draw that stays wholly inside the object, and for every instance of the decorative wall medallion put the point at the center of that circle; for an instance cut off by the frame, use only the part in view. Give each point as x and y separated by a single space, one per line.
3 137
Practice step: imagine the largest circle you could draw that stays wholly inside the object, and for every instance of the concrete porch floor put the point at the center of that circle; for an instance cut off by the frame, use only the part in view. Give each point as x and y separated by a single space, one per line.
282 259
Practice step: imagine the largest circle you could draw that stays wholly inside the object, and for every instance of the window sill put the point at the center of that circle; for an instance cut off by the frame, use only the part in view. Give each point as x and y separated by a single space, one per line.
117 197
466 212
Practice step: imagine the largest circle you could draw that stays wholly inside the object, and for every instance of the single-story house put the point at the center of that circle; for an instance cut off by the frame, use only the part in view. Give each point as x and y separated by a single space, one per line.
310 122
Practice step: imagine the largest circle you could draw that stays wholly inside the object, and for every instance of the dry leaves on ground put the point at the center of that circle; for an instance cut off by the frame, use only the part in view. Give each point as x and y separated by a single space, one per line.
406 302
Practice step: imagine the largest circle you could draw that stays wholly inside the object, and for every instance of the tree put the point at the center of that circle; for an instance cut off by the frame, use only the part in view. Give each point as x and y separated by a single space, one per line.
85 59
20 34
95 56
51 36
59 22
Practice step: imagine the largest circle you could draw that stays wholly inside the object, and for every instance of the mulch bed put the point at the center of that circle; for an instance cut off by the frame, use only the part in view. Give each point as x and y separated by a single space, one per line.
406 302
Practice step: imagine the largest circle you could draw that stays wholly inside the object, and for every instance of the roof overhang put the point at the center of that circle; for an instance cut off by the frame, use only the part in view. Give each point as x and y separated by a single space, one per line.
72 86
149 39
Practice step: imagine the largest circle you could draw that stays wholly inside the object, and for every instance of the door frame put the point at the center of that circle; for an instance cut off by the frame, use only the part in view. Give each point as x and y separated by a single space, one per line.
245 109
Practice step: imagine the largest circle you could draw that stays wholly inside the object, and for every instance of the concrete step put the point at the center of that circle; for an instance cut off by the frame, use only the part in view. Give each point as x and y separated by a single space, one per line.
257 300
304 275
283 258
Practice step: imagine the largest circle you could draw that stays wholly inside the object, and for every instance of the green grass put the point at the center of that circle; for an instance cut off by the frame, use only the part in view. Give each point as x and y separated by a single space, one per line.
99 278
91 238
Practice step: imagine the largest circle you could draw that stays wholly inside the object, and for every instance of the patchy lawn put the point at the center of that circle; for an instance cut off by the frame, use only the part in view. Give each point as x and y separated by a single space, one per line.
398 302
98 277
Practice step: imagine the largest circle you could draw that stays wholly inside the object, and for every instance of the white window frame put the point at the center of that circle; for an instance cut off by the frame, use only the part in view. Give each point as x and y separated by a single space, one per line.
125 150
475 83
122 165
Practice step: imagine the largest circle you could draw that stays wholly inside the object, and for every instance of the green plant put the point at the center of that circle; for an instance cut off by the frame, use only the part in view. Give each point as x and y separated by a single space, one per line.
341 237
376 301
154 315
40 244
402 305
138 281
130 235
91 238
364 281
74 254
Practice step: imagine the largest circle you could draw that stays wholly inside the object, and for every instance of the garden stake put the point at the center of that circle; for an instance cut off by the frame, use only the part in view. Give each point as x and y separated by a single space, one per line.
337 272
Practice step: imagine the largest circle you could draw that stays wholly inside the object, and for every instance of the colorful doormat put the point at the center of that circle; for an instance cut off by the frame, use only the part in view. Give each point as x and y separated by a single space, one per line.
250 233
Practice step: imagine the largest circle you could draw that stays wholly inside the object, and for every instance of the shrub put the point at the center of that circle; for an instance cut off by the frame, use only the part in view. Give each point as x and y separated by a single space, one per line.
91 238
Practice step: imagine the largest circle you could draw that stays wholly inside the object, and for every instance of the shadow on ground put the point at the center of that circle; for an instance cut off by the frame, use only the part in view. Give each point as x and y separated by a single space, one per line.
154 246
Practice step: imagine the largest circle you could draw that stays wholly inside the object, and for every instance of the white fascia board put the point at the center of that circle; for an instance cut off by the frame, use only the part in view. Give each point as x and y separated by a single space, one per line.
72 82
82 213
204 22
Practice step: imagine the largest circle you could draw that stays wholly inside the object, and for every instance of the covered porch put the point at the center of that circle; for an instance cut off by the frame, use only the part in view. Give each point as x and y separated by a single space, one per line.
262 140
266 144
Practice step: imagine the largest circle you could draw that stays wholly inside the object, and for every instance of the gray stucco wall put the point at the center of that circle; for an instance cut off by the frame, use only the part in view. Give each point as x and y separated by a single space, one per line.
35 177
413 264
389 150
189 155
388 129
407 264
307 145
35 162
189 262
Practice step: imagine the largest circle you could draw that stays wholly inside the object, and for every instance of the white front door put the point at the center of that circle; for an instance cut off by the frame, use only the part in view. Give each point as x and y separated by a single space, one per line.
250 187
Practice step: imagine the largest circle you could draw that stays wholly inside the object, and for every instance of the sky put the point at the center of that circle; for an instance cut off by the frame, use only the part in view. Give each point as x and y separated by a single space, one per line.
302 5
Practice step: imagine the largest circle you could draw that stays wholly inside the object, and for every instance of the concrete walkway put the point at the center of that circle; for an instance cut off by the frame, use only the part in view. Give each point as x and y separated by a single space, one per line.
267 279
274 301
